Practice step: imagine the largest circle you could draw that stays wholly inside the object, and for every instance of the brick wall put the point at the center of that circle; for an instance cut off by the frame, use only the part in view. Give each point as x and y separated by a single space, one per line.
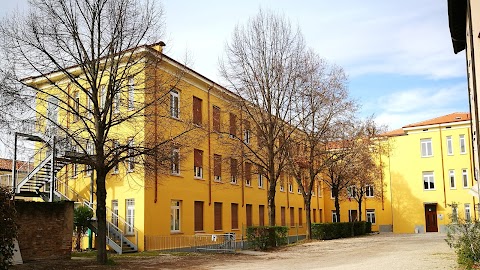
45 231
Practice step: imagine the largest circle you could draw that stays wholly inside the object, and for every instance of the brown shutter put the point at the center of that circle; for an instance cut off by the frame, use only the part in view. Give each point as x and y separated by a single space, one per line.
217 165
314 215
249 215
197 111
197 158
198 216
246 125
216 119
261 215
300 217
292 216
218 216
282 215
259 137
234 215
233 167
233 124
248 171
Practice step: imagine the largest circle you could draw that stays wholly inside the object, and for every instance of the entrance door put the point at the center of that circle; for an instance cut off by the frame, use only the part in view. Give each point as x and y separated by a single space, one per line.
352 215
431 217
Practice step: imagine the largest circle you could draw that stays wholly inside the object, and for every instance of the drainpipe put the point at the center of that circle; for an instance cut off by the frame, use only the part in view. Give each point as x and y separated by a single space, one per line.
14 167
443 167
209 147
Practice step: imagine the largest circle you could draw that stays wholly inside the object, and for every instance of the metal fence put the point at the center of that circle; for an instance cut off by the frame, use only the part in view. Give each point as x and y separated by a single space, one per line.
222 243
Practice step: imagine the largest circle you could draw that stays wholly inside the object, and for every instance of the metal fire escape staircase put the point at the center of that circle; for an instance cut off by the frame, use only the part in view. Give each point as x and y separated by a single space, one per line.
41 182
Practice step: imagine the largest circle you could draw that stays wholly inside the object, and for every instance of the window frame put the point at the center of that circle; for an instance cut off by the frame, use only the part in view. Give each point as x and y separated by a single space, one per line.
175 216
462 142
334 217
370 215
369 191
428 177
175 166
131 158
427 143
197 160
131 94
174 103
465 178
451 178
130 226
449 145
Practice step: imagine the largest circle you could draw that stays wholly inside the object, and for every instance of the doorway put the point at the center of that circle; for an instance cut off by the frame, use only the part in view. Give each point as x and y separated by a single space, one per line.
431 218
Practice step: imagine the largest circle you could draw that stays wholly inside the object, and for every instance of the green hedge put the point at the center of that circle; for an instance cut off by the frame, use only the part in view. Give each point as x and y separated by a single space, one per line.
327 231
264 237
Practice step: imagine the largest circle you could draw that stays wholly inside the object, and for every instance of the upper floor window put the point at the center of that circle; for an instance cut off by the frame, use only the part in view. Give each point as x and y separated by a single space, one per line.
198 163
449 145
246 132
116 146
175 161
217 168
465 178
103 96
428 181
463 148
248 174
197 111
90 151
216 119
233 171
260 176
131 157
426 146
131 94
76 106
369 191
233 125
290 187
352 191
451 176
116 101
174 104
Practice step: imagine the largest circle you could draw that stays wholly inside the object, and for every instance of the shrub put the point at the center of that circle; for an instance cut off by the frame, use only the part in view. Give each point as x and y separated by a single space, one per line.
8 227
464 237
327 231
264 237
81 219
368 227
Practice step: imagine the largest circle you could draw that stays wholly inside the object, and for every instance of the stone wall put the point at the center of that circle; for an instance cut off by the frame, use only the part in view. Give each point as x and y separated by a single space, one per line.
46 230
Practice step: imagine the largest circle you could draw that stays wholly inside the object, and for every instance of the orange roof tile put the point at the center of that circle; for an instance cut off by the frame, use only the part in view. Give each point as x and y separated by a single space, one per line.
6 165
449 118
393 133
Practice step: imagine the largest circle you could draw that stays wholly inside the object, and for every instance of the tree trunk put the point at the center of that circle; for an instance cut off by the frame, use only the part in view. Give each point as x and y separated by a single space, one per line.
308 233
271 203
101 218
337 205
360 209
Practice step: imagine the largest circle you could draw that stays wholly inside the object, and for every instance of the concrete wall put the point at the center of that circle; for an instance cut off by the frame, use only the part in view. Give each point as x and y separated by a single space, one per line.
45 230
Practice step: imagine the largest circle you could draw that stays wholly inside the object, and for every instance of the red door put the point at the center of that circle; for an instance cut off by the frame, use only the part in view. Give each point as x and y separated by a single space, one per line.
431 218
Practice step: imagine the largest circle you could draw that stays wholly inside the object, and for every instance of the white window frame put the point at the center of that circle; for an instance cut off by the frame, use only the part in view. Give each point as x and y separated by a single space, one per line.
175 216
197 172
449 146
246 136
282 188
451 179
114 218
248 182
334 216
465 178
260 180
76 106
175 104
468 213
131 94
131 159
428 177
116 102
351 191
426 148
89 105
371 217
369 191
90 151
116 146
463 146
175 170
103 97
130 216
290 187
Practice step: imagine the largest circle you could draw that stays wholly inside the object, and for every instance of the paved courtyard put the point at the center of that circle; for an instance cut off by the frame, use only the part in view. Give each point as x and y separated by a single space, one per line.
381 251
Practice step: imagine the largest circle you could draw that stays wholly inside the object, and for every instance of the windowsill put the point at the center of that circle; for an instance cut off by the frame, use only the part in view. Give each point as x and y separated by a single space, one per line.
74 177
463 153
89 175
453 188
369 197
176 175
176 232
114 173
237 229
130 171
221 230
261 187
199 232
249 186
466 187
234 183
198 178
429 189
427 156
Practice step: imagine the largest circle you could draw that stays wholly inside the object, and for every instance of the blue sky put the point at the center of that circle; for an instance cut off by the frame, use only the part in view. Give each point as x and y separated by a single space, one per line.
397 54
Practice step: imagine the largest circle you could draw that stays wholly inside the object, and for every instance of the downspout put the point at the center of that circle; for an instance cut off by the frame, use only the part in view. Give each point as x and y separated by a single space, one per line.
390 180
381 179
209 147
443 167
155 134
241 159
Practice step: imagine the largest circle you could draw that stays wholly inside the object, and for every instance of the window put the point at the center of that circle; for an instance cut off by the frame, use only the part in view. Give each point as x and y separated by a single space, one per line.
468 216
290 187
463 149
197 111
131 158
451 176
282 216
369 191
116 146
334 216
248 174
116 102
352 215
299 190
217 168
314 215
74 170
261 215
454 212
76 106
233 125
216 119
352 191
300 216
428 181
260 176
176 161
130 216
131 94
198 216
282 188
465 178
103 96
332 196
89 105
371 216
197 163
90 151
234 216
426 145
175 216
292 217
218 216
115 212
248 209
246 133
319 186
233 171
174 104
449 145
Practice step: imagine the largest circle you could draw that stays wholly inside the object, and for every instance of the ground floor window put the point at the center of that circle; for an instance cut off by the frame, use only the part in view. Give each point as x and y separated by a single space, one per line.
175 216
130 222
198 216
468 216
371 216
334 216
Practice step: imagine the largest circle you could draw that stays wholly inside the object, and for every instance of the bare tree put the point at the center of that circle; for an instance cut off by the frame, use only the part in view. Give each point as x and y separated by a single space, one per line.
95 84
264 66
322 105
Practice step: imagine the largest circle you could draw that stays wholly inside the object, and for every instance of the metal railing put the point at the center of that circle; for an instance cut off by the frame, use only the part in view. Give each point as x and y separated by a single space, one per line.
224 243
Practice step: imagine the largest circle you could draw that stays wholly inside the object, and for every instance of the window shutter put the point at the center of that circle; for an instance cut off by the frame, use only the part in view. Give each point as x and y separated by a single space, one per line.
248 171
197 111
218 215
217 165
233 167
233 124
292 216
197 158
234 215
282 216
216 119
300 217
246 125
249 215
198 216
261 215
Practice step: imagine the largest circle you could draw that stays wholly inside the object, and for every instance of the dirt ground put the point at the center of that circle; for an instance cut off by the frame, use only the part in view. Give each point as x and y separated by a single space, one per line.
381 251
